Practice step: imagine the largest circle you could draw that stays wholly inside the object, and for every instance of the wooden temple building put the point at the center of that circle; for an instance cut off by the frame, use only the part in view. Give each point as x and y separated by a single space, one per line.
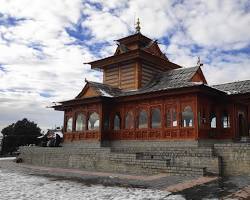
144 96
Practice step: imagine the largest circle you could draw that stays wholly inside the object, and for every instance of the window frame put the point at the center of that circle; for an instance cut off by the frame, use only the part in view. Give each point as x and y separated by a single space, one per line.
151 117
67 120
171 107
120 121
183 106
213 114
138 118
131 113
89 115
84 121
227 116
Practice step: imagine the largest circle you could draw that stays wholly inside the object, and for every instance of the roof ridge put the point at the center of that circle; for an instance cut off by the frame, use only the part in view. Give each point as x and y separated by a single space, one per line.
178 69
231 82
183 68
104 84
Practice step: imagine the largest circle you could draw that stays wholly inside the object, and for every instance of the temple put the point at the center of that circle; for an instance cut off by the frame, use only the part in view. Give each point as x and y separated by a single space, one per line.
152 116
145 97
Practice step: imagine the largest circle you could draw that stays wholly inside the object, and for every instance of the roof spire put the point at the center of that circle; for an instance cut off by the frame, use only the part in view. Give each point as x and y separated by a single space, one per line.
199 64
138 28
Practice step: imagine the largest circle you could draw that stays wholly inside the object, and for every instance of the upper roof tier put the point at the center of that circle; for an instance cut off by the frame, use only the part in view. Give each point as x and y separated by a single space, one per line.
136 46
136 60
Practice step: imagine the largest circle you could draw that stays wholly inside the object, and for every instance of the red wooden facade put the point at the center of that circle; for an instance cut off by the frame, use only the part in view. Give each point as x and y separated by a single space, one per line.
186 113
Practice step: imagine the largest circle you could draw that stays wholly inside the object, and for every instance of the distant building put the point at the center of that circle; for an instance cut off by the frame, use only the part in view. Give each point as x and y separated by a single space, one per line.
53 132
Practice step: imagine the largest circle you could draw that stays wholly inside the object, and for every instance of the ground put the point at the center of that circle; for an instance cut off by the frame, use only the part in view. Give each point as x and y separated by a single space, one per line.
20 181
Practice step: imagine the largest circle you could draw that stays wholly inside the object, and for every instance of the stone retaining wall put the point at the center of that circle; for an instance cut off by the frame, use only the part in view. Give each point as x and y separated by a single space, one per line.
101 159
230 159
83 144
235 158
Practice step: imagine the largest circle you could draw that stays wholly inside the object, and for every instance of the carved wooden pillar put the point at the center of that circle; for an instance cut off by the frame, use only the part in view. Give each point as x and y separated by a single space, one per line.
74 116
64 122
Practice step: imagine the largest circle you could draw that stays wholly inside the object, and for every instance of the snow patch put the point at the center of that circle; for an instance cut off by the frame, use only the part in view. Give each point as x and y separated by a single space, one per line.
198 83
8 158
105 94
232 92
15 185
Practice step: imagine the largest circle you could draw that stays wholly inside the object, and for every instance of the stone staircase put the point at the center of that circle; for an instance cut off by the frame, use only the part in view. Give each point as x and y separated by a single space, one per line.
152 166
179 161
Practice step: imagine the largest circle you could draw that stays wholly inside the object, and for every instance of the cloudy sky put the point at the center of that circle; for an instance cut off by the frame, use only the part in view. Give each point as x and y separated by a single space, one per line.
43 45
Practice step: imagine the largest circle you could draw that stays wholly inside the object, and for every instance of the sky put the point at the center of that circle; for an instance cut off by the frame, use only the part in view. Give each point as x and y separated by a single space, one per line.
43 45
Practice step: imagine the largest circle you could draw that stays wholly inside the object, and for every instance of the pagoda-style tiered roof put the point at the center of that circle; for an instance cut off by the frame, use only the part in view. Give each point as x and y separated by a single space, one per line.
139 67
136 46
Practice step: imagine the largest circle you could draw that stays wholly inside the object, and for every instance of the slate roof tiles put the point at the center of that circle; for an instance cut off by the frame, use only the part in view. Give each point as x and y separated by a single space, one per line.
172 79
239 87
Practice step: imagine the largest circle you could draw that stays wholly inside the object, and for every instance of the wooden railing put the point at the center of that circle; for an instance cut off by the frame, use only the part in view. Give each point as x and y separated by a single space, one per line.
138 134
88 135
151 134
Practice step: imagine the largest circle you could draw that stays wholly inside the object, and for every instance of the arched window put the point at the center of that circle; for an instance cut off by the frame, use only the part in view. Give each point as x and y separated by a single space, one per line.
156 118
187 117
129 120
212 119
143 119
80 122
225 120
69 124
171 117
93 122
117 122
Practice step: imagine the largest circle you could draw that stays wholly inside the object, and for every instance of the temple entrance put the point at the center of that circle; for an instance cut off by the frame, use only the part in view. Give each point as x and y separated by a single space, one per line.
243 132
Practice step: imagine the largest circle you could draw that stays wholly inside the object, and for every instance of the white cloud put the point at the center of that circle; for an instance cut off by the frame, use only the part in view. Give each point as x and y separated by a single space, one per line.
38 59
103 25
55 69
216 23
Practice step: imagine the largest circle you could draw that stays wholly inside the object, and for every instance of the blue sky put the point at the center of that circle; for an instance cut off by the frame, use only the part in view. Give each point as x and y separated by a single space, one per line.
43 45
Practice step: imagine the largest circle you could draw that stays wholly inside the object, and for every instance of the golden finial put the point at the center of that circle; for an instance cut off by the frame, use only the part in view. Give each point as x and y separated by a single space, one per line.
138 28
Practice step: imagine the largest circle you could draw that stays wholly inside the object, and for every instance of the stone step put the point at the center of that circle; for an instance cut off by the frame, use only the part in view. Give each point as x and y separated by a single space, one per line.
191 151
157 165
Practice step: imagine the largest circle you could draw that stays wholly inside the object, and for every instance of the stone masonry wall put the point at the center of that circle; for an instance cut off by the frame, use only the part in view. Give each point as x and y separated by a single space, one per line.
235 158
230 158
101 159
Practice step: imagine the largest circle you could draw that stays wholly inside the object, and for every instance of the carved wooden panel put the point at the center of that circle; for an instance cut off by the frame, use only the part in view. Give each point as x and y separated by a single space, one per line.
87 135
163 133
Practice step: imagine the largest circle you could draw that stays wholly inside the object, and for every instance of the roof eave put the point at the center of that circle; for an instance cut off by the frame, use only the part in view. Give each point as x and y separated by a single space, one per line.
130 56
73 102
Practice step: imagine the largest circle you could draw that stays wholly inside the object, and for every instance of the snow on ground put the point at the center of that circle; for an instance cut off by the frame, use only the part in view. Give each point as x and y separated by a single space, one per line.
8 158
16 185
